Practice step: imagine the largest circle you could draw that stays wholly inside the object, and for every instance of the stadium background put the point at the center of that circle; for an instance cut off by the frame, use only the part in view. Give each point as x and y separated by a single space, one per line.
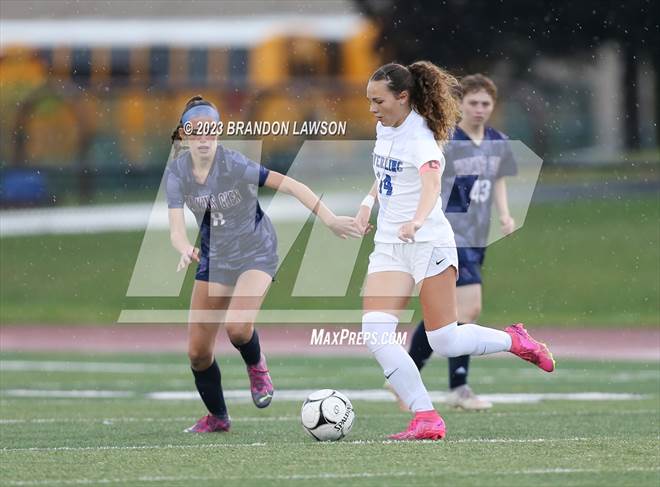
90 95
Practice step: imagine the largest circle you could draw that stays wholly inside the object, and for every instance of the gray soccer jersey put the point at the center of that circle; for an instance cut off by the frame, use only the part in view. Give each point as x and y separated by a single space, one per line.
234 230
476 168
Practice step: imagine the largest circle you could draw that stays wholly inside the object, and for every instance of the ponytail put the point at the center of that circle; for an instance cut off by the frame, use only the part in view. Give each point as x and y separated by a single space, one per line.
433 93
434 96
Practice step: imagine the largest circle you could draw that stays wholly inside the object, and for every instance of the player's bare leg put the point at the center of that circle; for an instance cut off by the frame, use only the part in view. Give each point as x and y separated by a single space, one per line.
387 292
468 302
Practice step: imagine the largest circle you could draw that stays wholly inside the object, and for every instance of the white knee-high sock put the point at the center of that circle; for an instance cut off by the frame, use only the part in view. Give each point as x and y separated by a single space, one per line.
469 339
399 368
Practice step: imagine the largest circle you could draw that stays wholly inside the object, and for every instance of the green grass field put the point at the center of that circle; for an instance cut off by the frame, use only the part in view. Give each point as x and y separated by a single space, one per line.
580 263
136 440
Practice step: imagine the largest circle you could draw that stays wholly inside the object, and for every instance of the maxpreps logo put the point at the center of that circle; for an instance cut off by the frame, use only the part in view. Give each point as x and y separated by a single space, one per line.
319 265
321 337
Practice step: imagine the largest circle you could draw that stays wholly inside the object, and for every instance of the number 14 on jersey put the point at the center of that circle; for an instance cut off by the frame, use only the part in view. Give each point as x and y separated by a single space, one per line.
385 185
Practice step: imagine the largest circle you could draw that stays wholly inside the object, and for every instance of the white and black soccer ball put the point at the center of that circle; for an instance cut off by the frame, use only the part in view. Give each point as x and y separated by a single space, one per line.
327 415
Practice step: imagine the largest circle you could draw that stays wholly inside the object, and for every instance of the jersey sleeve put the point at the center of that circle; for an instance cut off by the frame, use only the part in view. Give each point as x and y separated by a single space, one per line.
508 166
426 149
174 189
248 170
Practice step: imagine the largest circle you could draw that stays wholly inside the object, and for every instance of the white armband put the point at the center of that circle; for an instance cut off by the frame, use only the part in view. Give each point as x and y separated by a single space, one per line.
368 201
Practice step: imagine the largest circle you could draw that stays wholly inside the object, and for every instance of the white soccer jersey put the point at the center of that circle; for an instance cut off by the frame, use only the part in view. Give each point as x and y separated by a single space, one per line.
398 155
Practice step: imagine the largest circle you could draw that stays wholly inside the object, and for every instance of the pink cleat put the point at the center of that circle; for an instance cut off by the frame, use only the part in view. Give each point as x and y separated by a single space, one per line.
525 347
210 424
261 385
425 425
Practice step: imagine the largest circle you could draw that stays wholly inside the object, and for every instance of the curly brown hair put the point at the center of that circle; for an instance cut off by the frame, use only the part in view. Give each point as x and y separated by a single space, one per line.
432 93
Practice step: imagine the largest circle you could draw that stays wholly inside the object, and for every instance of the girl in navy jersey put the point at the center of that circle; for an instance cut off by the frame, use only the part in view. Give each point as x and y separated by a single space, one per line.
414 242
237 258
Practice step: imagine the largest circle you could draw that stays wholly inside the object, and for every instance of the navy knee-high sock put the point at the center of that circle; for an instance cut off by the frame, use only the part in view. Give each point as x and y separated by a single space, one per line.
420 350
458 370
250 351
209 386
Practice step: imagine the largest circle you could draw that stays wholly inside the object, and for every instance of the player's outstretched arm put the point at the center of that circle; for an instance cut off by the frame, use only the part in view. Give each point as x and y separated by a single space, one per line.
342 226
502 204
364 212
430 176
179 239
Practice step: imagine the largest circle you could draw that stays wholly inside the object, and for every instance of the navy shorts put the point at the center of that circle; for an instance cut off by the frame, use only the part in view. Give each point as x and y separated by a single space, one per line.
470 261
260 254
229 275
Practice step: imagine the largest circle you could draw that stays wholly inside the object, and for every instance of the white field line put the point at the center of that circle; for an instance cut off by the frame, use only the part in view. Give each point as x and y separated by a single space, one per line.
325 475
264 419
371 395
562 375
131 447
299 443
382 395
88 367
55 394
137 216
111 421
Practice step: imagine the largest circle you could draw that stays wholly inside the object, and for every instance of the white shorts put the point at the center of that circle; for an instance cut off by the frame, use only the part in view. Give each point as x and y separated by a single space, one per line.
419 259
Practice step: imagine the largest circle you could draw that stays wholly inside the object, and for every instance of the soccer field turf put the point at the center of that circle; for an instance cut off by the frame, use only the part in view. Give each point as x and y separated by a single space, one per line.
579 263
135 439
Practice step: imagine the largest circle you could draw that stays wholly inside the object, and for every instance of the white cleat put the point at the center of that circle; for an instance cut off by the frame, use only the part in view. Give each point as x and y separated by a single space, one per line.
463 397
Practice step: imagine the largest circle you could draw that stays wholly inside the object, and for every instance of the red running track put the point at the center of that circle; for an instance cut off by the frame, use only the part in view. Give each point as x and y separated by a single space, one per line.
613 344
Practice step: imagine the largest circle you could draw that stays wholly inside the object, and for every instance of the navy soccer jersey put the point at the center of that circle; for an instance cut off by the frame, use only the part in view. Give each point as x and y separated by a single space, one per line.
476 168
236 235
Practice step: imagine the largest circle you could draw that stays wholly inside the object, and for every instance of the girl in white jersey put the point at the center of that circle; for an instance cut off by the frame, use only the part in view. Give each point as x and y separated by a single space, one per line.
414 243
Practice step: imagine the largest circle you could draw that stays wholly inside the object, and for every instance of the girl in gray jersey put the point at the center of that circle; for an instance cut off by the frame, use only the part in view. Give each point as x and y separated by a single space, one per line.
237 258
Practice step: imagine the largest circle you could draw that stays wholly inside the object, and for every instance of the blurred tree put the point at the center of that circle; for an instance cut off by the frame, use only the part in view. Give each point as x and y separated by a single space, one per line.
469 35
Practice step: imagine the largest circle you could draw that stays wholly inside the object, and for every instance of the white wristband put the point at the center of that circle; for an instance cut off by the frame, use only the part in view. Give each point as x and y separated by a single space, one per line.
368 201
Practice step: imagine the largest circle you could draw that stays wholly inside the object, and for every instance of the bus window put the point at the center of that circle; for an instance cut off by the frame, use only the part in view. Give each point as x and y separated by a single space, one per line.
197 65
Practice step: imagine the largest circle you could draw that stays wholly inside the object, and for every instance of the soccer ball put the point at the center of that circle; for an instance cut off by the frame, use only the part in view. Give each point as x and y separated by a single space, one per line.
327 415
